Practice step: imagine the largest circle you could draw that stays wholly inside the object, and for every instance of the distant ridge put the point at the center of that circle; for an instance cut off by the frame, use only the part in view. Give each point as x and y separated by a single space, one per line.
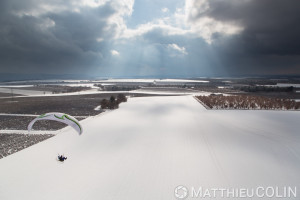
7 77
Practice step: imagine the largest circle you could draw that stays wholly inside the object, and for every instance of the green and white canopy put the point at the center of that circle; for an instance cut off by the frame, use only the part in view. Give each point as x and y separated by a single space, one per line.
60 117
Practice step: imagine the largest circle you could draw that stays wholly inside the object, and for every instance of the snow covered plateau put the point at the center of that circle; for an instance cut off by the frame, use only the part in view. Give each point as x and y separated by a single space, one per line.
150 145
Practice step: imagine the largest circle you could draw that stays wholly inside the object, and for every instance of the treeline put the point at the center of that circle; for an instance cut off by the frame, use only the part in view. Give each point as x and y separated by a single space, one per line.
116 87
248 102
265 89
113 102
67 89
56 89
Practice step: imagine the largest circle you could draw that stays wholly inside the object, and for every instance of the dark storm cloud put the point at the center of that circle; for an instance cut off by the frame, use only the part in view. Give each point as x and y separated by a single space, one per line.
52 42
270 41
36 37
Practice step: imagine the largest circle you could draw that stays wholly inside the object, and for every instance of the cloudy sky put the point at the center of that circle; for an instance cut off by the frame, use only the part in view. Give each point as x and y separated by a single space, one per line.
150 37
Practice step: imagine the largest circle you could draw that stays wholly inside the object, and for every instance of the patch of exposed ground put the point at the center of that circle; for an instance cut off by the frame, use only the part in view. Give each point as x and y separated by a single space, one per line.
3 94
21 123
12 143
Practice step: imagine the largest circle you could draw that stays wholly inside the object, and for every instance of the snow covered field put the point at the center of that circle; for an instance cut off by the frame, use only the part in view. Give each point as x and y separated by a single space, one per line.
17 91
31 93
150 145
154 80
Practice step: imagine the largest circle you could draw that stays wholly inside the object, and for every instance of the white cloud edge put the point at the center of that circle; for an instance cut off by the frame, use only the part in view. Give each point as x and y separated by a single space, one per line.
164 10
174 46
114 52
180 23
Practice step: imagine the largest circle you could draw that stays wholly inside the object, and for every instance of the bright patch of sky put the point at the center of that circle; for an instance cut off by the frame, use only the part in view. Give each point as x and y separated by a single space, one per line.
145 11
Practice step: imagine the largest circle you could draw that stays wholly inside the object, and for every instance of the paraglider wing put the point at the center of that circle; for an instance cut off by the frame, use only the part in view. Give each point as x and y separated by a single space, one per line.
60 117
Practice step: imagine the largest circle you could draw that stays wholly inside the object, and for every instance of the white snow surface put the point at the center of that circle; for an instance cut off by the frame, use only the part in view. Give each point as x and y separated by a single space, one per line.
31 93
15 86
154 80
17 91
18 115
288 85
150 145
26 132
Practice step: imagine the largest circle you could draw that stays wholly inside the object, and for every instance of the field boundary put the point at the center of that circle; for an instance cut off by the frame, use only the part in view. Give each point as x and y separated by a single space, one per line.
253 109
203 104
